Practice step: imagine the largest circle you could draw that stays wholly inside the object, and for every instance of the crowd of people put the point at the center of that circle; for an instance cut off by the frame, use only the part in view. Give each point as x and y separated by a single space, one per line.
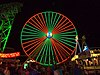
69 68
36 69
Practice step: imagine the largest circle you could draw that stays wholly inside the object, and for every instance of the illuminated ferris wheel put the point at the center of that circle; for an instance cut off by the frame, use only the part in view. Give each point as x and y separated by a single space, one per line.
49 38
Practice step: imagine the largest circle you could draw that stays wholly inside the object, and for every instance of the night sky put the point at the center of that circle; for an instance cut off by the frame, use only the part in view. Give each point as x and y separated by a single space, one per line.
85 14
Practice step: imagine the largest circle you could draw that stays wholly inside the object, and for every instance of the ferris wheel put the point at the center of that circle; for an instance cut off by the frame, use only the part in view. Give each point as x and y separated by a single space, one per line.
49 38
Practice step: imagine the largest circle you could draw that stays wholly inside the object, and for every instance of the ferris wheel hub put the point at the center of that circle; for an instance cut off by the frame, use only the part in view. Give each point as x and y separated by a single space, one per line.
49 35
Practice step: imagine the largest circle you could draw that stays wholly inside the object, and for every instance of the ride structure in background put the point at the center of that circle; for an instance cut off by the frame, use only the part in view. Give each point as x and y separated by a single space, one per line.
7 15
49 38
82 49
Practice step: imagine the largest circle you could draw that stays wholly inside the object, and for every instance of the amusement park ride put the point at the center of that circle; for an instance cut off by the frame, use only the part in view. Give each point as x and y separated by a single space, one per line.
7 15
47 38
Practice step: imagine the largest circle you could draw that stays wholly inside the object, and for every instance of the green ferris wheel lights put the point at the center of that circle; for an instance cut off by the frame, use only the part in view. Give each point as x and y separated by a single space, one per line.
49 38
7 15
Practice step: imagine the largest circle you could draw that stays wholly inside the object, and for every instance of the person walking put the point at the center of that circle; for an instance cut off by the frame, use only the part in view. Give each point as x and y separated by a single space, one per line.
6 71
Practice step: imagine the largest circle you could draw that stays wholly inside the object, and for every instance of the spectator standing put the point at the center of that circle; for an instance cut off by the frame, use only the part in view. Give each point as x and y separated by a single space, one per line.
6 71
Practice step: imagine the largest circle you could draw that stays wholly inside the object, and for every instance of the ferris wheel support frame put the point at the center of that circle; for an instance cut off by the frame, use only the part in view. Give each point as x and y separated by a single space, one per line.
7 15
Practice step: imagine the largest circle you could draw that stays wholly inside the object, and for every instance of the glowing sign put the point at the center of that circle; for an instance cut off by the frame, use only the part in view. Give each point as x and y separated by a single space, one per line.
9 55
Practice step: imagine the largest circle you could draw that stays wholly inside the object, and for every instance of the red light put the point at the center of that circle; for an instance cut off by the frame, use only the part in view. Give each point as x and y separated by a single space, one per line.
9 55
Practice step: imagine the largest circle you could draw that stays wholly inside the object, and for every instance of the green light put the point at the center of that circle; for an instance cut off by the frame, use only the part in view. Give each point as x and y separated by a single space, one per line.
0 27
7 18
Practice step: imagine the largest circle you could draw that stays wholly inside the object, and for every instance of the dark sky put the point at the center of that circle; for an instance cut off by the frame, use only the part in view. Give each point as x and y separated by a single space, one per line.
85 14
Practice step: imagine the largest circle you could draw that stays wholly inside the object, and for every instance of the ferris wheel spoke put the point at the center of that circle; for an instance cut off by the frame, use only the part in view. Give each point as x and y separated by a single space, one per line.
46 55
36 48
52 15
39 35
25 39
47 58
44 23
32 47
66 42
63 45
41 26
49 19
71 32
55 23
36 52
58 23
55 20
67 38
64 25
24 29
30 41
49 55
31 36
66 30
54 50
38 22
31 44
52 53
72 41
35 25
32 28
40 53
53 58
59 45
58 51
34 33
37 45
45 16
63 29
63 51
43 55
68 35
28 35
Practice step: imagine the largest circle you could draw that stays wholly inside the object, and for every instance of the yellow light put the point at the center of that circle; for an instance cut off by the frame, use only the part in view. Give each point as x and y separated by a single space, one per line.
76 37
75 57
47 34
50 34
9 55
